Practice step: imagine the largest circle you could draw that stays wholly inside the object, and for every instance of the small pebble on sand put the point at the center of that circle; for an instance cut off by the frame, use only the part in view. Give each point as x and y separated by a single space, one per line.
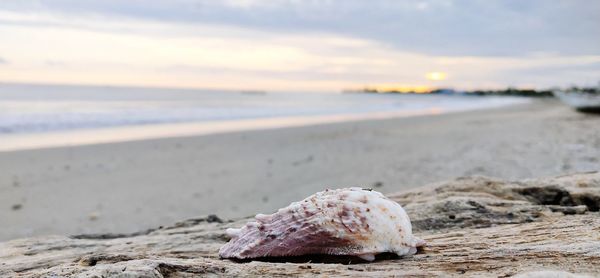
94 216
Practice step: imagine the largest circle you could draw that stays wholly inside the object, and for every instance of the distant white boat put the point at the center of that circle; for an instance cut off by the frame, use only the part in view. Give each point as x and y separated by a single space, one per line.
581 101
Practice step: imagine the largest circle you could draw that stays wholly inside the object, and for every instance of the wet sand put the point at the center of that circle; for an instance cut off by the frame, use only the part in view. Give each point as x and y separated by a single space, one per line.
130 186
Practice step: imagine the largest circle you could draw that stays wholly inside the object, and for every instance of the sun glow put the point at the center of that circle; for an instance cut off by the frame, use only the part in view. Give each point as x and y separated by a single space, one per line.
436 75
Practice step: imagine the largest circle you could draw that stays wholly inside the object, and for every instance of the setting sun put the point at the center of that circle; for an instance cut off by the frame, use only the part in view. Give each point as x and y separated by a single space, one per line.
436 75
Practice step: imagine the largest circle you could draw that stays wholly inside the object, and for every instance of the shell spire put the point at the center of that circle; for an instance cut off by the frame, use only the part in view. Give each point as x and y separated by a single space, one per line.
349 221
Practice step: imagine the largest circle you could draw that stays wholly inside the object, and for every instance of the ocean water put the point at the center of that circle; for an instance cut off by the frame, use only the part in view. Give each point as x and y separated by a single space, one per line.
35 109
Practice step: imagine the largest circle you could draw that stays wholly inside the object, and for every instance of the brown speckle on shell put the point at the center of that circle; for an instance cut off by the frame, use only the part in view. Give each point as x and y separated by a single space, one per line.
364 199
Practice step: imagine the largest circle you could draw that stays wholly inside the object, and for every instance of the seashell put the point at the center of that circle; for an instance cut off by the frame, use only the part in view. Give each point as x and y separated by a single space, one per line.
349 221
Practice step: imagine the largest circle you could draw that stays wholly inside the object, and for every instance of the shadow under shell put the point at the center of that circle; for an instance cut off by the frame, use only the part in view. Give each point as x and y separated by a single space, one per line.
325 259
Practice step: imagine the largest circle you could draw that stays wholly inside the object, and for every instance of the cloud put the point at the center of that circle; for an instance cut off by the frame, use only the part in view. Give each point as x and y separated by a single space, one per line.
563 75
54 63
310 45
3 61
443 27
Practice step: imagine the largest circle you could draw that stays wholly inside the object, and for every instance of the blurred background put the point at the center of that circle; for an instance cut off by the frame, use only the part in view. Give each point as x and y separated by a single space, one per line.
118 116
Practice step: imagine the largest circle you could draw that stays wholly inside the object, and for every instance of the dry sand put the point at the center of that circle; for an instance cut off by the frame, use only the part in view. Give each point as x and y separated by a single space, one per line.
127 187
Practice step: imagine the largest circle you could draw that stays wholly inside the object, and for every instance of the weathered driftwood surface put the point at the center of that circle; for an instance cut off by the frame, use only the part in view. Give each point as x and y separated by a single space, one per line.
474 226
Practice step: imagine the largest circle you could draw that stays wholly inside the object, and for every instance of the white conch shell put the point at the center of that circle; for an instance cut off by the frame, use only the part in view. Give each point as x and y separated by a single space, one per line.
350 221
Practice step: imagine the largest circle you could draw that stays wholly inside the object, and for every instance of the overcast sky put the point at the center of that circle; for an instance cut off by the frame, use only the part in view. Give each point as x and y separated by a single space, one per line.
300 45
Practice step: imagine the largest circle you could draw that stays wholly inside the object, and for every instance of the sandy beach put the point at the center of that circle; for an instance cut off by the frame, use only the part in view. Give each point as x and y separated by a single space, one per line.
131 186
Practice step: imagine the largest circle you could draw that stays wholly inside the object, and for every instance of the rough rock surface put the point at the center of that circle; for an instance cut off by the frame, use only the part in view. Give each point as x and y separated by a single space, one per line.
475 226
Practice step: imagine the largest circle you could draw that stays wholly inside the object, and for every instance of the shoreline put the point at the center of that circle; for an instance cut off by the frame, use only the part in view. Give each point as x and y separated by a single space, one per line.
130 186
119 134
